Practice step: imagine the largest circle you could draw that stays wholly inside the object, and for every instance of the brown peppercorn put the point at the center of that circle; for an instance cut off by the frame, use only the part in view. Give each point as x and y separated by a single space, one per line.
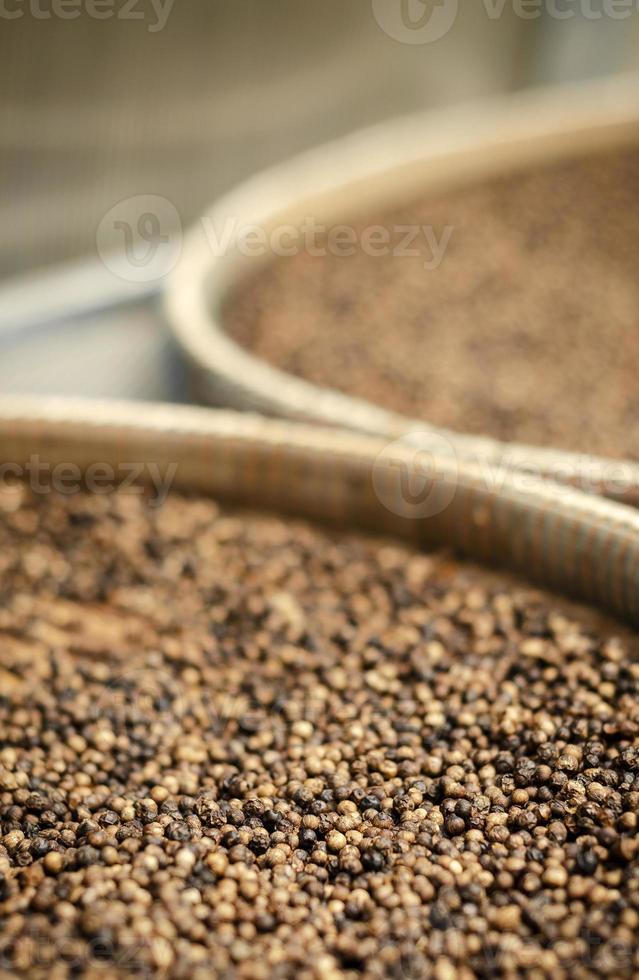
318 823
356 323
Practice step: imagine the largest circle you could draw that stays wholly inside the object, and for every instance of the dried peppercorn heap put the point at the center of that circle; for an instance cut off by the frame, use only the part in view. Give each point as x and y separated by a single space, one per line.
234 745
526 330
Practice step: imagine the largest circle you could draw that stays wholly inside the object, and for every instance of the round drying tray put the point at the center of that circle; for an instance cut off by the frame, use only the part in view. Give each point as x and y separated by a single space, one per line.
564 539
372 170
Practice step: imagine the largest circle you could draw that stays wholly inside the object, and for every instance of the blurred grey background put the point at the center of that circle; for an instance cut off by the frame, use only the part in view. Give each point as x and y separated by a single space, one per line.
184 99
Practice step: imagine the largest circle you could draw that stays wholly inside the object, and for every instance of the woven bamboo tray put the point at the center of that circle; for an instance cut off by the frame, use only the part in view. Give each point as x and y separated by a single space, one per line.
577 544
372 170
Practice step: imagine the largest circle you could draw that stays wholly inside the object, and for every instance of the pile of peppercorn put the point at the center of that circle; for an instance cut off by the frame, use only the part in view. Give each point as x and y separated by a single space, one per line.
235 745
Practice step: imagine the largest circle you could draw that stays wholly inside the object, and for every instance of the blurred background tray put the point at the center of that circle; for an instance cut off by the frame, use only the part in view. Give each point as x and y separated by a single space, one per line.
96 112
76 330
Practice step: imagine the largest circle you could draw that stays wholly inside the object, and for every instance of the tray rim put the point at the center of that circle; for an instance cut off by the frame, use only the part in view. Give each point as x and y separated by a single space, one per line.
564 539
338 178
